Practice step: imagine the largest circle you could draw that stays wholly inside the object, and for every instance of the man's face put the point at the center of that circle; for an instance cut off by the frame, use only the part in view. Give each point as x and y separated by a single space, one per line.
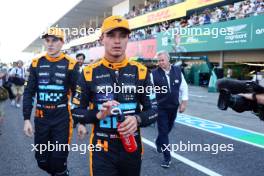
20 64
80 60
115 42
53 45
163 61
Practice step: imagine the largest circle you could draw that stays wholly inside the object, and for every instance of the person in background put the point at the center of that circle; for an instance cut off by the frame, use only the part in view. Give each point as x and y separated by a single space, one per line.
3 73
229 72
17 75
80 57
8 83
169 77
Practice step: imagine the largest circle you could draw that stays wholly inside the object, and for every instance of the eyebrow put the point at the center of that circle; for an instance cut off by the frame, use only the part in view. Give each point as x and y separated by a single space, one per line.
121 33
52 38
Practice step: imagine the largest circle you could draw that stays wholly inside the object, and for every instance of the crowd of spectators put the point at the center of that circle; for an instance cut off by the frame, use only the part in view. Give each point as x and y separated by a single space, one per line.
150 5
74 49
233 11
229 12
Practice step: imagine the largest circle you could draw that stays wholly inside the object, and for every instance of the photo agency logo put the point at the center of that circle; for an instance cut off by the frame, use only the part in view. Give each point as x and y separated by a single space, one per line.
192 147
131 89
74 31
82 148
198 31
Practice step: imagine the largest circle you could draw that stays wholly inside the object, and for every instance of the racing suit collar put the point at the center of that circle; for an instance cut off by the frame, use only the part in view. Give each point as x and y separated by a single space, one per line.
51 59
114 65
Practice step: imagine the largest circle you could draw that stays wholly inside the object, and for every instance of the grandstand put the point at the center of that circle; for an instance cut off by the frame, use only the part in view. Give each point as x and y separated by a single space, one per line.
152 19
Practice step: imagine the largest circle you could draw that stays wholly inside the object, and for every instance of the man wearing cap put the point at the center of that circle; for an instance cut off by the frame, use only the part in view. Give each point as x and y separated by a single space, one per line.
52 79
93 90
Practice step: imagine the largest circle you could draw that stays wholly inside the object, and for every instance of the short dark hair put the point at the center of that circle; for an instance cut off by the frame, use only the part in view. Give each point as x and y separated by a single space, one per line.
80 54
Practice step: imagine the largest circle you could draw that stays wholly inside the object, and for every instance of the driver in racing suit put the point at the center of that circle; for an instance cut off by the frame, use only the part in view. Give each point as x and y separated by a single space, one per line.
94 91
52 78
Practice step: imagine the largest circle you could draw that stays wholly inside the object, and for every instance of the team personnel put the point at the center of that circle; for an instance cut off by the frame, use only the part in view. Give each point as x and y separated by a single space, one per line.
52 79
169 77
114 70
80 57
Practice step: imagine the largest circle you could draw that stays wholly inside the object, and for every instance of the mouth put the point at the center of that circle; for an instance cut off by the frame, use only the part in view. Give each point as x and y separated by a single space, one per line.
50 49
117 48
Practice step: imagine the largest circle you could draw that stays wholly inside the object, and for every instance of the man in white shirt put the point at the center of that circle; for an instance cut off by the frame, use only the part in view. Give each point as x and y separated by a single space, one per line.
169 78
18 79
231 12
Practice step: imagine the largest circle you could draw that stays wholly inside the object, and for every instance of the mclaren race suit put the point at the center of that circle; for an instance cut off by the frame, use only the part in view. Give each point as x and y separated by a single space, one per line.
96 86
52 80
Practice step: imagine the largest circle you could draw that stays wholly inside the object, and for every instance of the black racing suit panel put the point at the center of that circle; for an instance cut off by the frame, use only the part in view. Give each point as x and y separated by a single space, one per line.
95 87
51 82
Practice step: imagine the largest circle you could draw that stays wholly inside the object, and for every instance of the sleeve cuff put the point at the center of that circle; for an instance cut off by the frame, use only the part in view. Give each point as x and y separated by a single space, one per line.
26 117
185 98
89 117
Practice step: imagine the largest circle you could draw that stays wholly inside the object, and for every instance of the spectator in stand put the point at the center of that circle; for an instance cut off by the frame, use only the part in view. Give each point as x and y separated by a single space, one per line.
166 25
250 11
218 12
223 15
259 9
172 25
201 19
214 18
245 6
231 12
170 2
190 21
183 23
148 32
163 3
240 14
195 19
177 24
207 16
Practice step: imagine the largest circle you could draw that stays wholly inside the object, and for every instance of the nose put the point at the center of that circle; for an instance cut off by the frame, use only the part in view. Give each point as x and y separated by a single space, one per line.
49 43
117 39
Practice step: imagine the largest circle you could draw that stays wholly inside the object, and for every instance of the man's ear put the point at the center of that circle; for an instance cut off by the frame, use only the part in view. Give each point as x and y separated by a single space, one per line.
101 39
62 41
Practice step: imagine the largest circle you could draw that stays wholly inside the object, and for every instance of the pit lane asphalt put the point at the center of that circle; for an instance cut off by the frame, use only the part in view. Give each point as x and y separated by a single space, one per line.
17 159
